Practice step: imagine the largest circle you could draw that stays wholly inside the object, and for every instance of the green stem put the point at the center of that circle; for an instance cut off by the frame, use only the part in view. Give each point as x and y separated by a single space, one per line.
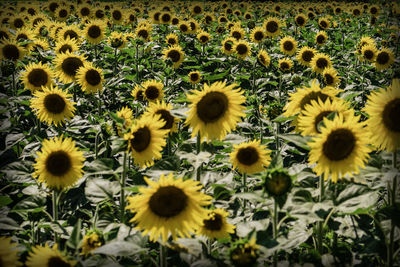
163 256
137 62
277 136
123 182
13 82
320 223
115 59
55 212
392 202
198 144
169 148
209 247
275 228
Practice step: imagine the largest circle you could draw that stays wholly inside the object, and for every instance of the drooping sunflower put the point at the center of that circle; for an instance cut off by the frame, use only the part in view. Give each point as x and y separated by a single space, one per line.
163 111
242 49
144 32
304 96
272 27
215 110
71 31
117 40
331 77
194 77
55 29
52 105
288 45
8 253
237 33
227 45
263 58
384 59
169 206
320 62
59 163
277 182
257 35
153 90
90 78
341 148
146 140
250 157
369 52
90 242
125 113
301 20
308 121
324 23
285 64
203 37
37 75
47 257
305 55
244 253
67 45
215 225
172 39
11 50
383 108
94 31
67 65
321 38
175 54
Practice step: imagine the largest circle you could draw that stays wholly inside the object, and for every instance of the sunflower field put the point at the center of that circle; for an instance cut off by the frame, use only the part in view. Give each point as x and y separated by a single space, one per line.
199 133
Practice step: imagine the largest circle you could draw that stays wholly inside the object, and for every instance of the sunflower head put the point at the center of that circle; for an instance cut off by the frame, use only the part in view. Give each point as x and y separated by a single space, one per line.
126 114
305 55
46 256
143 32
91 241
8 252
137 93
321 38
67 45
153 90
237 33
250 157
384 59
203 37
172 39
117 40
227 45
67 65
117 15
300 20
72 32
277 182
288 45
175 54
184 27
244 253
37 75
94 31
320 62
272 27
263 58
285 64
162 111
257 35
11 50
242 49
215 225
194 77
90 78
331 77
324 23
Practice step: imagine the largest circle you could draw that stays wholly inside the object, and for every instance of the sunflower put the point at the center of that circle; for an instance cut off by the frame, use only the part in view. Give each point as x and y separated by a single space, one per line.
304 96
324 23
67 65
127 114
8 253
203 37
62 13
90 242
366 40
99 13
94 31
196 9
117 40
244 253
175 54
17 22
169 206
356 11
374 10
237 33
227 45
208 18
263 58
5 34
369 52
272 27
320 62
172 39
242 49
194 26
250 157
52 5
55 29
144 32
384 59
308 122
257 35
165 18
305 55
47 257
137 93
90 78
331 77
321 38
215 225
155 16
288 45
163 111
383 108
84 11
215 110
285 64
71 31
52 105
277 182
37 75
153 90
301 20
184 27
40 44
11 50
117 15
341 147
194 77
175 20
67 45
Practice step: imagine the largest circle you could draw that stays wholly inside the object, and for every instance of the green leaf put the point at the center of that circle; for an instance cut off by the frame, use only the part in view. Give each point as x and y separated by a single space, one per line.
97 189
296 139
75 237
119 248
4 201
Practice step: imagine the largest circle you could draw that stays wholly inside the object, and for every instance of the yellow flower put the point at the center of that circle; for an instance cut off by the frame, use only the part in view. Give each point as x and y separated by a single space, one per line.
250 157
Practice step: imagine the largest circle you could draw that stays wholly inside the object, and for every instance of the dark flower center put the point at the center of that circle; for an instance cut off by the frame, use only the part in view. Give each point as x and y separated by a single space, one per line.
58 163
323 24
236 35
192 26
167 117
278 184
339 144
356 12
116 14
63 13
328 78
261 58
94 31
307 55
54 103
71 65
31 11
132 18
71 34
197 10
288 45
320 39
65 48
391 115
241 49
382 58
171 41
319 118
322 63
36 21
11 52
157 16
215 223
18 23
141 139
247 156
312 96
143 33
166 17
300 21
284 66
374 10
168 201
174 55
57 262
228 46
212 107
368 54
37 77
53 6
85 11
194 77
93 77
175 21
338 10
272 26
258 36
152 92
223 19
3 35
247 16
99 14
204 39
183 28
